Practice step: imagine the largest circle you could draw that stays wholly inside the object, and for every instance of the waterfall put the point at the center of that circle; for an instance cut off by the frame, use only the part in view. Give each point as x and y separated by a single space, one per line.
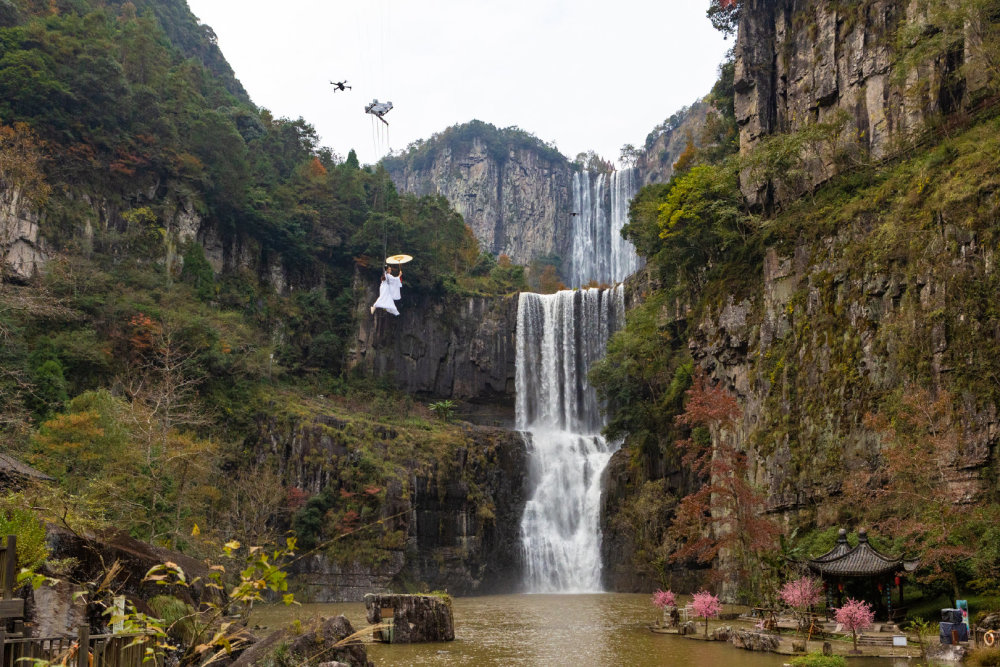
558 337
598 251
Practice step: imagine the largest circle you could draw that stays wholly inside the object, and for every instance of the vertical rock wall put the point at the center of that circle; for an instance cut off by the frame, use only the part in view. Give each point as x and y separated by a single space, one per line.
460 348
800 62
518 203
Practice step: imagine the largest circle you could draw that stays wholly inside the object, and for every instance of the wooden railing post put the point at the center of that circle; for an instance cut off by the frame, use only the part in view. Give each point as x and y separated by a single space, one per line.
10 567
3 640
83 652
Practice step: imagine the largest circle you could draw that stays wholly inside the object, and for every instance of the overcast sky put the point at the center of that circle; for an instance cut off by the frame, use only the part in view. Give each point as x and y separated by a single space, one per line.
585 74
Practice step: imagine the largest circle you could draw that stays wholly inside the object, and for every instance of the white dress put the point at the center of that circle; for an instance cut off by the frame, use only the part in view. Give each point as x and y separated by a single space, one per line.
395 284
385 299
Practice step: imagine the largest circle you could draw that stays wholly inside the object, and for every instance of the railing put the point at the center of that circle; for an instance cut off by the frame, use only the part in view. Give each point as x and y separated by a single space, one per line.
102 650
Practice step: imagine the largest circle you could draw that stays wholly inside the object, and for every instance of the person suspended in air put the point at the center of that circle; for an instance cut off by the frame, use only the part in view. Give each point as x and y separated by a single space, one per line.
395 281
385 300
339 85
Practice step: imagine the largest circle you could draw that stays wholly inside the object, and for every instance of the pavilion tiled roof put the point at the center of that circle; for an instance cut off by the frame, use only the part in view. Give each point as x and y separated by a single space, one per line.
863 560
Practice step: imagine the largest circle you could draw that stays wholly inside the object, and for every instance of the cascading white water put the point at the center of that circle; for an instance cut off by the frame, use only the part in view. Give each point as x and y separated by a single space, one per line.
558 337
599 253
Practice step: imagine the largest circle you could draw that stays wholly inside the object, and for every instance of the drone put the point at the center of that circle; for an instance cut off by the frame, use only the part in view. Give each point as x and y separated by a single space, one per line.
339 85
379 109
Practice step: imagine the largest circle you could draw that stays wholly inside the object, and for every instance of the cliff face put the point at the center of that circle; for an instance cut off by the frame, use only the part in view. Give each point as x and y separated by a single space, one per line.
800 63
656 164
460 348
25 246
451 521
22 251
517 200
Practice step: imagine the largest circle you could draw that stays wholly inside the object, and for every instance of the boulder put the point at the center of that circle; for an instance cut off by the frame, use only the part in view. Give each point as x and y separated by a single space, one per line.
688 628
316 646
752 640
722 633
414 618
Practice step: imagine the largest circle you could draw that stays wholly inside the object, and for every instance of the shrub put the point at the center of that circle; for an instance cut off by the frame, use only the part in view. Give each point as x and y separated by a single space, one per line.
177 616
984 657
30 532
445 410
819 660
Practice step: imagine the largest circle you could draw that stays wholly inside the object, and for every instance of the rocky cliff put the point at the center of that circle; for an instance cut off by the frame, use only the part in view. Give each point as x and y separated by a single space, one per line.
669 140
455 347
449 503
801 63
865 298
512 190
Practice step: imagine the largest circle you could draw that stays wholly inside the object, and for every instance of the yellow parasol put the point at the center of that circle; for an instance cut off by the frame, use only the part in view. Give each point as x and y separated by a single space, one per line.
398 259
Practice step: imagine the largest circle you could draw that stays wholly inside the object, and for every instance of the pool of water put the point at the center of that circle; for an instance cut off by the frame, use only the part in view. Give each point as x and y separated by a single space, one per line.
598 629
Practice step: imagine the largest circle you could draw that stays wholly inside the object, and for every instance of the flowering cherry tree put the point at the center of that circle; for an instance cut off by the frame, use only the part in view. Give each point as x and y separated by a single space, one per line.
801 594
855 615
706 605
664 599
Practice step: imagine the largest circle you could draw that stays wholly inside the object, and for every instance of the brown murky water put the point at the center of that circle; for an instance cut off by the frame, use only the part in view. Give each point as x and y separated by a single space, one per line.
600 629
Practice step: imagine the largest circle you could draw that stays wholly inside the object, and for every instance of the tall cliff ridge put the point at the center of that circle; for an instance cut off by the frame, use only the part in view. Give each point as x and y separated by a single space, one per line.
512 189
851 326
668 141
803 63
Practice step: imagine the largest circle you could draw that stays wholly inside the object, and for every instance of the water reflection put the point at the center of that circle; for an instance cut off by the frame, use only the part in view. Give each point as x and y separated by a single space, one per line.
598 629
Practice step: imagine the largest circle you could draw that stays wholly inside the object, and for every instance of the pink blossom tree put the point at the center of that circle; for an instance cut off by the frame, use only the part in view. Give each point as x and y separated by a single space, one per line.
707 606
664 599
800 595
855 615
667 602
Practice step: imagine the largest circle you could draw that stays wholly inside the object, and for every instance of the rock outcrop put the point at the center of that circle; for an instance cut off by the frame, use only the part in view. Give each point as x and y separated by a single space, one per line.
459 348
800 63
664 146
458 518
414 618
317 645
513 193
22 250
752 640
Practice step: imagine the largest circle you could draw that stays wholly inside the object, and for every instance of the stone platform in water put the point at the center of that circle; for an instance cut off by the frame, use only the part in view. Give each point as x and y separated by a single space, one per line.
414 618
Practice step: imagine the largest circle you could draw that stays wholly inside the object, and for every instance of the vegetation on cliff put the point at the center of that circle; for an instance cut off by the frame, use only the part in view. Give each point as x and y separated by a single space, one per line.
851 324
498 142
203 258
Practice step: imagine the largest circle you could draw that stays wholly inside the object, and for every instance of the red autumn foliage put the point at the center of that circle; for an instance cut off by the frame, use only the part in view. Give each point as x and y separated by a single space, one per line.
349 522
144 333
725 512
344 493
295 498
913 491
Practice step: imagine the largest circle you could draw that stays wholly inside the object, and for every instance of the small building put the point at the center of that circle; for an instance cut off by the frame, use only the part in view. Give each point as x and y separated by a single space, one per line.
863 573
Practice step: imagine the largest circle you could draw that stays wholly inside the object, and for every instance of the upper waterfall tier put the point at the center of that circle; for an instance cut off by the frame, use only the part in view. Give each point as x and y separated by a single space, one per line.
558 337
600 205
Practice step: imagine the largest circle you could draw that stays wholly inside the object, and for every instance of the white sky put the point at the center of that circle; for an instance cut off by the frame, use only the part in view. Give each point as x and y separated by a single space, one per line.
586 74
